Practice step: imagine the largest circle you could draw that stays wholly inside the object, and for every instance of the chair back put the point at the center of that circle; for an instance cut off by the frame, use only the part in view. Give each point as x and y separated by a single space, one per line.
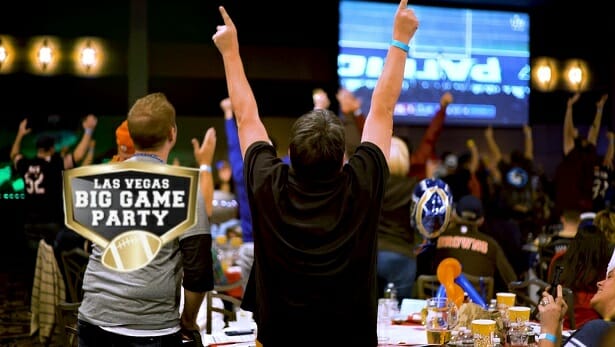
74 262
66 316
230 304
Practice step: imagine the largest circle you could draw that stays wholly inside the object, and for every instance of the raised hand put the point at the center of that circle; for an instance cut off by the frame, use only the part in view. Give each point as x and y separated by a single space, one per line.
600 103
446 99
489 132
227 108
573 99
527 130
23 127
405 23
204 153
225 37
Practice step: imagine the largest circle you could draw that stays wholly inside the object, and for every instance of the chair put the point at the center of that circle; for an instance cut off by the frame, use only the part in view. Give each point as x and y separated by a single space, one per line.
66 316
525 297
231 304
428 285
74 262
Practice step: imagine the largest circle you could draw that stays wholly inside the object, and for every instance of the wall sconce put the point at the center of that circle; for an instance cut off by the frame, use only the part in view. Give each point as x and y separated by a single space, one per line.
88 56
3 54
545 74
45 54
577 75
7 54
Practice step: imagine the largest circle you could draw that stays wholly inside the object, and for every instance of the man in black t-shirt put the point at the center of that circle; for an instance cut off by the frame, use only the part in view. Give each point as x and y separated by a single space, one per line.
42 176
315 222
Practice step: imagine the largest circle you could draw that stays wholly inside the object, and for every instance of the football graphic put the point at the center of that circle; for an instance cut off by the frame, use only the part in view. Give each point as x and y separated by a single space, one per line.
131 250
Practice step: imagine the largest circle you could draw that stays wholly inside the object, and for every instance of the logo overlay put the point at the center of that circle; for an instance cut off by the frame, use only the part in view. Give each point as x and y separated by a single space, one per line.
130 209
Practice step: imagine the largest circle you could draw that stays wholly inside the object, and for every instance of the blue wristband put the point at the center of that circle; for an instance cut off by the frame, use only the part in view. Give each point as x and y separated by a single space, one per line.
548 337
404 47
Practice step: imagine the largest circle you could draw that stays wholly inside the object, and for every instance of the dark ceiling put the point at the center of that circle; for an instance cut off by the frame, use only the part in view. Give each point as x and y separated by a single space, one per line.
559 28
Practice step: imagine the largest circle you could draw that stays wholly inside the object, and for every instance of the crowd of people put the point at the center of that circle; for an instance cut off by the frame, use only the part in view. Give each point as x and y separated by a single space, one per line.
325 229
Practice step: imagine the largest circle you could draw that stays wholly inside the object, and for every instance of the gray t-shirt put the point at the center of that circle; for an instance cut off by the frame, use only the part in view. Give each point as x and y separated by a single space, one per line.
144 299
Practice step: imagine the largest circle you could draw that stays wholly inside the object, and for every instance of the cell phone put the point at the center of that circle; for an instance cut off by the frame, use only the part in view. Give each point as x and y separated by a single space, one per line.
239 332
555 281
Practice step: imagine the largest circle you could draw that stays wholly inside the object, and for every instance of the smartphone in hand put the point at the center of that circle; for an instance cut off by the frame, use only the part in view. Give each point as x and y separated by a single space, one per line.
556 278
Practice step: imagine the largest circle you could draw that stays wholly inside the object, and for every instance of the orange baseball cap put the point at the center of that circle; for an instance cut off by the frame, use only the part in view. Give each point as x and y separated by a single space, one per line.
123 139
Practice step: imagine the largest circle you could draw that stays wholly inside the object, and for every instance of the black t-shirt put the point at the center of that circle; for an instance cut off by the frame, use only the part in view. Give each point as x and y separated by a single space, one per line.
315 249
574 179
395 232
43 188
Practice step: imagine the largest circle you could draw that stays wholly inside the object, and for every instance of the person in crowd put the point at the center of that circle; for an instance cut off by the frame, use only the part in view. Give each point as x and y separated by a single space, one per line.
574 174
605 221
558 243
430 216
511 216
141 307
246 251
479 253
353 118
604 176
320 99
583 262
552 312
425 152
42 176
516 193
463 180
315 252
396 259
125 146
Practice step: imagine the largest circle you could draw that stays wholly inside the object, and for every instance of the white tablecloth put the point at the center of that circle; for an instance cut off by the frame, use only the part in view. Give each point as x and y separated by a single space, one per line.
404 335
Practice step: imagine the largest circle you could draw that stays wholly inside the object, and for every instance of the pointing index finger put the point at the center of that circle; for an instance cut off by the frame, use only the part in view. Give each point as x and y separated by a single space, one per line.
226 17
403 4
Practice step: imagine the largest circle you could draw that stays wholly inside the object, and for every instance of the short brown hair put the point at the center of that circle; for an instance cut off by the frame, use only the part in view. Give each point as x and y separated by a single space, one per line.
149 121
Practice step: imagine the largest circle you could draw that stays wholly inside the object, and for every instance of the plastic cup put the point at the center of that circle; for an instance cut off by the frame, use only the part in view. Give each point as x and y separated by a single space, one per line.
519 314
505 299
483 330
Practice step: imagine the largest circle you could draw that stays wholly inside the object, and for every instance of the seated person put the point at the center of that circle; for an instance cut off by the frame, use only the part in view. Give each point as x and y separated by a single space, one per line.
583 262
552 312
479 253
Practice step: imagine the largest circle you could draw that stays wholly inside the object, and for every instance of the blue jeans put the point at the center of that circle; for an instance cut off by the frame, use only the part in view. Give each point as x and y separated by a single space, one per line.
399 269
93 336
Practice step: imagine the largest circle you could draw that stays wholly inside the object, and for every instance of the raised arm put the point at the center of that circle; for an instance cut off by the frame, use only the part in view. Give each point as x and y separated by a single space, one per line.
474 156
379 123
89 124
570 132
529 142
427 147
204 155
494 149
22 131
610 150
594 130
249 126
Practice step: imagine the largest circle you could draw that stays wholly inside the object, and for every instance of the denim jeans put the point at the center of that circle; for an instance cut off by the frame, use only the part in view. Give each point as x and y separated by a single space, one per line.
396 268
93 336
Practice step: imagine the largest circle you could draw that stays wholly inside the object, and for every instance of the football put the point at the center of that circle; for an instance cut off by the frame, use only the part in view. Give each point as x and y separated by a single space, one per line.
131 250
